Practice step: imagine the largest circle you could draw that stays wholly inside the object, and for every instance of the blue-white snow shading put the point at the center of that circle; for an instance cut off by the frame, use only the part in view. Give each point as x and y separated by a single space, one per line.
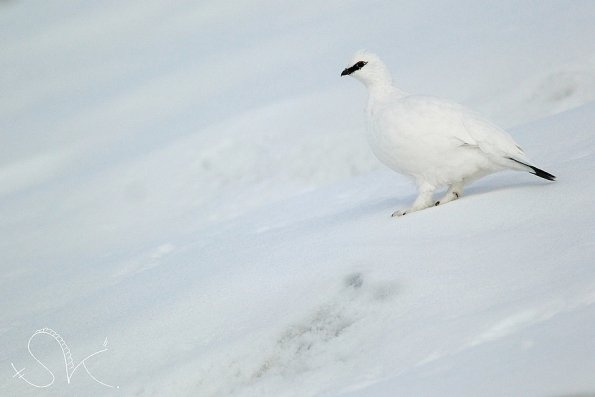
164 183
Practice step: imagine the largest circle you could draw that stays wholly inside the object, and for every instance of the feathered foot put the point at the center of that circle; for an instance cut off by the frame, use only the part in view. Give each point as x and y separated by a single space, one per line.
424 200
454 192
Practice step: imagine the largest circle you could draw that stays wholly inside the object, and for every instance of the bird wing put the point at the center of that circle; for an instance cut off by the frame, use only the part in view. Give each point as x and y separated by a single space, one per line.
470 129
490 138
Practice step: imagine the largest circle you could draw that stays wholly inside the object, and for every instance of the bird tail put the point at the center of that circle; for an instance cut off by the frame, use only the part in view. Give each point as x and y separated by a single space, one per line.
536 171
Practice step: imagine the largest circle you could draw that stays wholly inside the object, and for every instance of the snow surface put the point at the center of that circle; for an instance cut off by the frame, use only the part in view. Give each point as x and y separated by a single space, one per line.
161 186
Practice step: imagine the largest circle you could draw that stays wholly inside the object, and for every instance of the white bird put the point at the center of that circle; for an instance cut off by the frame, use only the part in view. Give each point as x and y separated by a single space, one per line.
435 142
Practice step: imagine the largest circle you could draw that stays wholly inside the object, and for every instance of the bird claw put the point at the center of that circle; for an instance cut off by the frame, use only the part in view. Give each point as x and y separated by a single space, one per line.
399 213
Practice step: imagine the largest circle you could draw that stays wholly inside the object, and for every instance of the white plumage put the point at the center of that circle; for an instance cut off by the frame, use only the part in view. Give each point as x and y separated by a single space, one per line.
436 142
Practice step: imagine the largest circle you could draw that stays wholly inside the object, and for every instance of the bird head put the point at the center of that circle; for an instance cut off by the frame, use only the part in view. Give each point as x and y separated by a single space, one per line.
367 68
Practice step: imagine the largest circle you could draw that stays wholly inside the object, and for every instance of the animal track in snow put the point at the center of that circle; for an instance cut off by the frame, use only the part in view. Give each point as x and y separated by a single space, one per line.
328 335
304 346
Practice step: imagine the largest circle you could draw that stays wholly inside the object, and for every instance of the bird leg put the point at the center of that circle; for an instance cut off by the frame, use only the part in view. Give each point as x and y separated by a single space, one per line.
454 192
423 200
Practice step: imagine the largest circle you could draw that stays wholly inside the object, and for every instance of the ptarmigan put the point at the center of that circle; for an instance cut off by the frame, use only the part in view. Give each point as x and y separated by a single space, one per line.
436 142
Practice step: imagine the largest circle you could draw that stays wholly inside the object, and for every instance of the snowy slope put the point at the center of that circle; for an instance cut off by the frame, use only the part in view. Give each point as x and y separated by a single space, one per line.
164 183
125 122
325 294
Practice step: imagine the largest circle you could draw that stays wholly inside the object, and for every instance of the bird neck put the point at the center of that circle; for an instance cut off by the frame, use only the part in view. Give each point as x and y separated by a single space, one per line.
382 91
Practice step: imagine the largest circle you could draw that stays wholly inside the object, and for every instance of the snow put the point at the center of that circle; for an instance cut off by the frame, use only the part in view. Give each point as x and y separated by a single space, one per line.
161 187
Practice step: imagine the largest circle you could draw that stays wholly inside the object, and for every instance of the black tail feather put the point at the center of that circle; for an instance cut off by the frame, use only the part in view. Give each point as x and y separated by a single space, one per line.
543 174
536 171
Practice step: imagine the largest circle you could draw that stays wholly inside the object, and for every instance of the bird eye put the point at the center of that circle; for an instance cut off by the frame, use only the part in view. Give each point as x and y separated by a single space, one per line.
361 64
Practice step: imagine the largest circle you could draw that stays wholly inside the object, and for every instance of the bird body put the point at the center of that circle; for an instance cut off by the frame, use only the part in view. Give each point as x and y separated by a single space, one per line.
435 142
